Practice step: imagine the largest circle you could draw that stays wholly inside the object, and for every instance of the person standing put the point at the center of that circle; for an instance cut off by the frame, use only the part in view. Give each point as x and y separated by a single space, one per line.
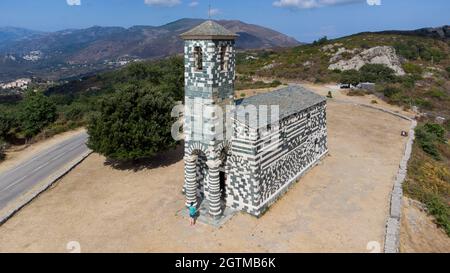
192 214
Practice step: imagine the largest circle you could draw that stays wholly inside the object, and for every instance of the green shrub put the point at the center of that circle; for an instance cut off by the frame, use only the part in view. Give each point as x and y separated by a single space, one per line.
409 81
377 73
133 123
428 135
441 212
411 68
2 150
275 83
37 111
413 50
423 103
350 77
321 41
436 93
390 91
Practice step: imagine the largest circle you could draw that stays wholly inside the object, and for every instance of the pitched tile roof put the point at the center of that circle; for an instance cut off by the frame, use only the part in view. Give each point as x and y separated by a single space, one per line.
209 30
291 100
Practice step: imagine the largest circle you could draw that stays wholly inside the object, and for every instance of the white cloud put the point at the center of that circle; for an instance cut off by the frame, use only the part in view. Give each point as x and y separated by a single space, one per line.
374 2
193 4
73 2
162 3
309 4
213 12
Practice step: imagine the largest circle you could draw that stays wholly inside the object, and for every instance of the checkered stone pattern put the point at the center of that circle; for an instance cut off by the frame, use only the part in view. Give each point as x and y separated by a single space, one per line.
213 86
260 163
258 176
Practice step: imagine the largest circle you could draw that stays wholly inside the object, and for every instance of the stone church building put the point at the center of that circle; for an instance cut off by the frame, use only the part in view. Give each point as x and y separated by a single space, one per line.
240 162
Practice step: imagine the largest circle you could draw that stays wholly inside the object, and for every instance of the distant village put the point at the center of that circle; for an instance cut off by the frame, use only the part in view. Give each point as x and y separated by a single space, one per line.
19 84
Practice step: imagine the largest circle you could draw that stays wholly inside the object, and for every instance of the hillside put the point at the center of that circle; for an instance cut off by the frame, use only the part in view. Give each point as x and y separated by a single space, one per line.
412 71
70 53
9 35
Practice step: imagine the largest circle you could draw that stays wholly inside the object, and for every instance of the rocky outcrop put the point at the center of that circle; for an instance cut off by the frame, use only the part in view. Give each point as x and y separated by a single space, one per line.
385 55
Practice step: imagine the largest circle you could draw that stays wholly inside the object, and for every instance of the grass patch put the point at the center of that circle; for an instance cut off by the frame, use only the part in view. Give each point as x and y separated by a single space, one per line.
428 178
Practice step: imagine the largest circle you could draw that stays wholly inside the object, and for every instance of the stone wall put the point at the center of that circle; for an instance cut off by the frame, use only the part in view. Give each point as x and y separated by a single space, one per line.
264 163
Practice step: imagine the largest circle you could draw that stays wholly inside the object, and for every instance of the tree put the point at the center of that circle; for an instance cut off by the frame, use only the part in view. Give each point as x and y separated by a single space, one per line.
377 73
134 123
2 150
37 111
350 77
5 124
321 41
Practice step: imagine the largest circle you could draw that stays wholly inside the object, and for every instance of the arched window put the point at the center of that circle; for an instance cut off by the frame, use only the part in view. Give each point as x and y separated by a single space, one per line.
223 58
198 58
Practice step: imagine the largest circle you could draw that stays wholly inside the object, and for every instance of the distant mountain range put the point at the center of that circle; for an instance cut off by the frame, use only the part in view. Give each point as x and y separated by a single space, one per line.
9 35
70 52
437 32
75 52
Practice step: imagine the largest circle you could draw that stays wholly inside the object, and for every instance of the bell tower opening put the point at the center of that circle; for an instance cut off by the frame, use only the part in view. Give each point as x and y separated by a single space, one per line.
198 58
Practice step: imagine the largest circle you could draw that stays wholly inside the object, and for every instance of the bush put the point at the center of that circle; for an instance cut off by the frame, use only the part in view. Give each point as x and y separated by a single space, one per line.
5 125
321 41
377 73
37 111
411 68
423 103
133 123
441 212
350 77
414 50
409 81
390 91
437 93
428 135
275 83
2 150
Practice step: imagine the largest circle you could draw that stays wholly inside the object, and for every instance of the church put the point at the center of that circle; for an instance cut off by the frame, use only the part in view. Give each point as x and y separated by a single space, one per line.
243 154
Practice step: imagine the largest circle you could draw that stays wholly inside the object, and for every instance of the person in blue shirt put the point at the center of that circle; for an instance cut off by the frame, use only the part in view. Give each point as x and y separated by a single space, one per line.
192 214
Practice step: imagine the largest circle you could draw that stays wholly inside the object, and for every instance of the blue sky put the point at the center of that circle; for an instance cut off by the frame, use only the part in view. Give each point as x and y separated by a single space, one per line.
305 20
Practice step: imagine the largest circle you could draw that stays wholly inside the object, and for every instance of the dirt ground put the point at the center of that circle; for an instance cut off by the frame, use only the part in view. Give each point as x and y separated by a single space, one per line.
339 206
17 154
419 233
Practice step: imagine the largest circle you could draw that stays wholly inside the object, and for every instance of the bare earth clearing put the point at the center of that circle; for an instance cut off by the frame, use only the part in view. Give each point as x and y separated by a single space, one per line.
340 206
419 233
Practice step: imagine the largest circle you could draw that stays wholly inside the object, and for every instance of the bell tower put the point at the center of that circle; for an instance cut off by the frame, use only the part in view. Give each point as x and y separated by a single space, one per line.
209 54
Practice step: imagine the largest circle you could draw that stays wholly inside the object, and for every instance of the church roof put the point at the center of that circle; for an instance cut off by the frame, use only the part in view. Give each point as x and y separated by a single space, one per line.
291 100
209 30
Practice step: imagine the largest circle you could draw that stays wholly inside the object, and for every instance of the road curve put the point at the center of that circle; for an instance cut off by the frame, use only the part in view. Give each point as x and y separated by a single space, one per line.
21 178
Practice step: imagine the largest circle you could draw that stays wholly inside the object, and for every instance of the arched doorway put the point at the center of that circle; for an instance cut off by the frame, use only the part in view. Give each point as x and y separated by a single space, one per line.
201 173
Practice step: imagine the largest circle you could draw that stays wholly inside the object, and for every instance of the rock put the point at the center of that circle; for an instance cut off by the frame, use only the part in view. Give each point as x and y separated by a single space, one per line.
307 64
385 55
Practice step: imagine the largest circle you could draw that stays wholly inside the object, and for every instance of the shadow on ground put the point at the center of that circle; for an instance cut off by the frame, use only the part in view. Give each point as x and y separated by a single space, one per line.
162 160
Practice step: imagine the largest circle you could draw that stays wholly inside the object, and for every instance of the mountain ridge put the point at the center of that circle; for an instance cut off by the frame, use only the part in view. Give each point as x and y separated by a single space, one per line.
42 54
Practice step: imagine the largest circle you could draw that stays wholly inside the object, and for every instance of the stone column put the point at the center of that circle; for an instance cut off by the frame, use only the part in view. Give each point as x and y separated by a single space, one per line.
215 208
190 174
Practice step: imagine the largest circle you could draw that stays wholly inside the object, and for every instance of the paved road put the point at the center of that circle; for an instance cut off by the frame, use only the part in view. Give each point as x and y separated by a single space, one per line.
23 177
